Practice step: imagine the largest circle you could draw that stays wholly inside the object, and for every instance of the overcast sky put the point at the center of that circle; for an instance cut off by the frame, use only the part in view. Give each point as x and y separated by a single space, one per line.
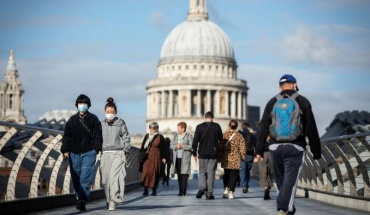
111 48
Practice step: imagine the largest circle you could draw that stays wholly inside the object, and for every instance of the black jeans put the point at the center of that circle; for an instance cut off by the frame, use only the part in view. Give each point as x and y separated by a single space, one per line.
230 178
182 178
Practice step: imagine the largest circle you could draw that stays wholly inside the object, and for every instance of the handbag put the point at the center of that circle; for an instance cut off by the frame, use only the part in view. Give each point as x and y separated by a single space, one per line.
143 155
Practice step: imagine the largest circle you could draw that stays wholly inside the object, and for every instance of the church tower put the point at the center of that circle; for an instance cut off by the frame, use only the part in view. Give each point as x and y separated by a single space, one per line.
11 95
197 73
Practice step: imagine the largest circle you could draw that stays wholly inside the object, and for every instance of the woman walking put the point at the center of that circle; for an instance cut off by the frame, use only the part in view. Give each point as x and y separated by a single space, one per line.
154 148
233 152
116 144
182 145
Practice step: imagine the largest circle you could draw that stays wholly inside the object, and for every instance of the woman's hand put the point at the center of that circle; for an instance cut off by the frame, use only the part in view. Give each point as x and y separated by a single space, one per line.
163 160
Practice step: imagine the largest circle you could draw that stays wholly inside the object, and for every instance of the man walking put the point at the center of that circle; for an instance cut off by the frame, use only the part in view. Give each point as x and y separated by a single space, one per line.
81 142
289 119
250 143
207 136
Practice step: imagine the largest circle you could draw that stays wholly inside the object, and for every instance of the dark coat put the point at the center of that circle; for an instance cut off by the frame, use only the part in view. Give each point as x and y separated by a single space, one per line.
77 139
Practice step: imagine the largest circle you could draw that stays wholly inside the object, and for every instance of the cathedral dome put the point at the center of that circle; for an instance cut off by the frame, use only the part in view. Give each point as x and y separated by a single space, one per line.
197 38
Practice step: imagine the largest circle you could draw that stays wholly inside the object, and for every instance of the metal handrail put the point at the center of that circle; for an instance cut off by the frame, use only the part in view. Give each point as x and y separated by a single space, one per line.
343 169
47 168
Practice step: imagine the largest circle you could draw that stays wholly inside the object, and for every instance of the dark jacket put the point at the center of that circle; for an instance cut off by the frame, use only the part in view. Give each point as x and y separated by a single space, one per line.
77 139
308 123
162 147
208 140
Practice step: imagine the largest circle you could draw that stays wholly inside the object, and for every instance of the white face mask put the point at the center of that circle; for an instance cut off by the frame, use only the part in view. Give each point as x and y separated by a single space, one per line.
110 116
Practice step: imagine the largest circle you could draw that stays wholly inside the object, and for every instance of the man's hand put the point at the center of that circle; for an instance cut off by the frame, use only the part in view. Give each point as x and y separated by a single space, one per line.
65 156
257 158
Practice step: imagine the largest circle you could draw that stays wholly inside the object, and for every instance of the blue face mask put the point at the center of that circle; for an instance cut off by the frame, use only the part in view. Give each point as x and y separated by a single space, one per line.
82 108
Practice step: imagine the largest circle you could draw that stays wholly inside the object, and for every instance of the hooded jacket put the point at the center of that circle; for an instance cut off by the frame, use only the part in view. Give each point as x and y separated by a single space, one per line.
115 136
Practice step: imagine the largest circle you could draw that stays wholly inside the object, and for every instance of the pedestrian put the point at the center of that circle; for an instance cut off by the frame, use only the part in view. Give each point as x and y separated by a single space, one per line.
116 145
166 167
246 165
153 153
289 119
81 142
265 171
233 152
182 145
207 137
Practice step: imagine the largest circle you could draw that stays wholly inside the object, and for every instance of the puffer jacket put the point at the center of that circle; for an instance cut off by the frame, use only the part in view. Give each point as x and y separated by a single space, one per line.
230 158
115 136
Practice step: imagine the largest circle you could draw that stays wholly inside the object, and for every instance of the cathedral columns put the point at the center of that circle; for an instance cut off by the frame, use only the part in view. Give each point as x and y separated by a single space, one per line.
233 104
170 104
239 105
208 101
199 103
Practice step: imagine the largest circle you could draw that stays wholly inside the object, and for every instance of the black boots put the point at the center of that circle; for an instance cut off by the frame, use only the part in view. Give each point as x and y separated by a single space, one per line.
266 196
145 191
154 191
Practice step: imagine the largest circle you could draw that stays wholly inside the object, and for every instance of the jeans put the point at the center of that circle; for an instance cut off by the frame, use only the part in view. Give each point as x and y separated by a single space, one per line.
82 167
244 172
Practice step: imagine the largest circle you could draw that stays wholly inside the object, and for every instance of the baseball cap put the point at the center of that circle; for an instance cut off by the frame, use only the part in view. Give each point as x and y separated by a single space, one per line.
287 78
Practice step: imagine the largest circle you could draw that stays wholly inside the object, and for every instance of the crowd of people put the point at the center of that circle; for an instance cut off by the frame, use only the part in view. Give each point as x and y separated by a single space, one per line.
278 157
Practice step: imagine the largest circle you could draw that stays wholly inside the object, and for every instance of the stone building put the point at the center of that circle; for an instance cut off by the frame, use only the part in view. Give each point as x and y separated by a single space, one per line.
197 72
11 95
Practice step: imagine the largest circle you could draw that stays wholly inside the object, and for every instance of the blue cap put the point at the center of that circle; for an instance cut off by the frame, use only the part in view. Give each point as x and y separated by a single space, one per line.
287 78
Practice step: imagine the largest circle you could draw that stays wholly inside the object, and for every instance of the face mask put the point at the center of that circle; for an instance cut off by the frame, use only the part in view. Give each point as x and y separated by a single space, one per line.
82 108
110 116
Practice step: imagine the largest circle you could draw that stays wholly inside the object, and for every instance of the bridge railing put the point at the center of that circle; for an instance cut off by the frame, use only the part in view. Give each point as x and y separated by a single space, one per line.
31 164
343 170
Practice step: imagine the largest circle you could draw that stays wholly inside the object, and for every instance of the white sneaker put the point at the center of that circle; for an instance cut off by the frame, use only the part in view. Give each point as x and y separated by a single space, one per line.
112 206
226 193
231 195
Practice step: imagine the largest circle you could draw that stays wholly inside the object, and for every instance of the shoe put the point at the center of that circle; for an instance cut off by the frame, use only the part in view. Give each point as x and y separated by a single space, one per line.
282 213
266 196
291 212
163 181
200 194
154 191
184 192
180 192
211 197
226 194
245 190
145 191
231 195
81 206
112 206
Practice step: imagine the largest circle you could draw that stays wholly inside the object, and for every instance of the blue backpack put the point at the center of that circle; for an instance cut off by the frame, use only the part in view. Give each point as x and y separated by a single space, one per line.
286 118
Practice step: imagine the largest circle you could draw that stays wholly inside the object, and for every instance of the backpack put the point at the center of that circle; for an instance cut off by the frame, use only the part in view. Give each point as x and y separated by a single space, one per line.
286 118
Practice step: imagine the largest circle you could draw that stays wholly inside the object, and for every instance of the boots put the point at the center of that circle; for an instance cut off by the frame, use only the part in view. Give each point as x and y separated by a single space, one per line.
154 191
145 191
181 192
266 196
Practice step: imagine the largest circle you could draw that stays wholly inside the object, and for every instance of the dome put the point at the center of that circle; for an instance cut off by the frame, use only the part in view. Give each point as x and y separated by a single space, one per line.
197 38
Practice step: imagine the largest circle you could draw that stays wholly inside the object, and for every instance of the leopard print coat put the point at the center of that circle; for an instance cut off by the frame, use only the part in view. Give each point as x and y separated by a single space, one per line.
231 155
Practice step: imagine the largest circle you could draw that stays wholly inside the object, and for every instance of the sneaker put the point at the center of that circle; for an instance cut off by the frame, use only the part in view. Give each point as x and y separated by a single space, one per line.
112 206
266 196
226 194
200 194
231 195
282 213
245 190
81 206
211 197
291 212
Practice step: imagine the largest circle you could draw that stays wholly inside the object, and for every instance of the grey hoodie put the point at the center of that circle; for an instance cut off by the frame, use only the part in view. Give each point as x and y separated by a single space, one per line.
115 136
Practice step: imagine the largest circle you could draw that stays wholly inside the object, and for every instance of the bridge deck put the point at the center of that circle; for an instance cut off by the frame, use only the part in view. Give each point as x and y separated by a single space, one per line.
167 202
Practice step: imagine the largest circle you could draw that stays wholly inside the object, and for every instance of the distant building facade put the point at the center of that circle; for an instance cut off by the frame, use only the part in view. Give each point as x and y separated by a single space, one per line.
197 72
11 95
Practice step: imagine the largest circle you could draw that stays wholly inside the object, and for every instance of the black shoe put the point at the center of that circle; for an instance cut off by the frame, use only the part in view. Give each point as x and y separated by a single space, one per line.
154 192
211 197
163 181
145 192
167 182
292 212
245 190
266 196
81 206
180 192
184 192
200 194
